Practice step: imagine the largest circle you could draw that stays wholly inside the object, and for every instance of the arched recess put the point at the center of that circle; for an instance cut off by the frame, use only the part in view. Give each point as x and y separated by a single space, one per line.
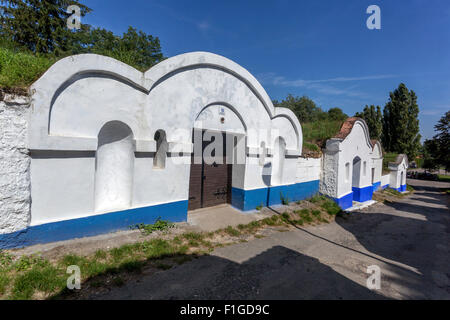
159 161
114 167
356 175
279 153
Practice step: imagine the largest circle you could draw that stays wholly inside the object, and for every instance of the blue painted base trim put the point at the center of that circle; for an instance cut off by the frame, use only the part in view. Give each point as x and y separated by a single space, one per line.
362 194
376 185
385 186
246 200
94 225
346 201
402 188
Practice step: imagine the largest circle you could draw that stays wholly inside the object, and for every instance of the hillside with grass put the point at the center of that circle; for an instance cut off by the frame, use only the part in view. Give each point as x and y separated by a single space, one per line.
18 70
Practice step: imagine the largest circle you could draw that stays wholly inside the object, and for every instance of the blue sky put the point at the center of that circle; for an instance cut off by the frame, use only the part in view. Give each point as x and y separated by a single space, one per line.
318 48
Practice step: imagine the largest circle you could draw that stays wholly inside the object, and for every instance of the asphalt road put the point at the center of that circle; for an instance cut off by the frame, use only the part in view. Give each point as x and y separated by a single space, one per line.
408 240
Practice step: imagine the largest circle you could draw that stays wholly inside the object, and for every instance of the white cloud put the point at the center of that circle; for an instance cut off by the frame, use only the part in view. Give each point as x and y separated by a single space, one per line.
322 85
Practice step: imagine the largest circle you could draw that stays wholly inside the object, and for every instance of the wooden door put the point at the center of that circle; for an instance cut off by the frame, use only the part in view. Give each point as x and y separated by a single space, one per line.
209 184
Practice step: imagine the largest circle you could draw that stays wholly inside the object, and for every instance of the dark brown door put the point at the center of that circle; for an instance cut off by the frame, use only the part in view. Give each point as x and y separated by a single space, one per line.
195 186
209 184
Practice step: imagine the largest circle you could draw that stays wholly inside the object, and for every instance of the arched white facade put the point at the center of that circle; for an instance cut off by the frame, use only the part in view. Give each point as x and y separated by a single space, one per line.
71 175
352 164
398 169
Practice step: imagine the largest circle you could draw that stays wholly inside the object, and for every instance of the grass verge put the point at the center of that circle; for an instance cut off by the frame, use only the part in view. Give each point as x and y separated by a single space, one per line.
20 69
33 277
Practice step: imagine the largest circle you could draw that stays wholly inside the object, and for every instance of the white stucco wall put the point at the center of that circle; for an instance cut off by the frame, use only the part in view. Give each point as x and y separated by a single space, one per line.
397 176
79 94
377 162
14 164
308 169
385 179
339 172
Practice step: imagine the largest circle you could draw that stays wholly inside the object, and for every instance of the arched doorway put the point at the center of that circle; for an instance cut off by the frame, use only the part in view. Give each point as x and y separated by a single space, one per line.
114 167
218 160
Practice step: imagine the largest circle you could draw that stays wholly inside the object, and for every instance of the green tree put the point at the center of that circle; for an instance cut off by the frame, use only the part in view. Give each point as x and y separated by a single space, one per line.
442 142
38 25
374 119
134 47
400 122
336 114
304 108
41 26
430 154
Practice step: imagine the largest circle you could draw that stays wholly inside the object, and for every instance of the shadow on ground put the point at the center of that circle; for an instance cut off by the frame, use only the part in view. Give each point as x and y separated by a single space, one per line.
421 241
277 273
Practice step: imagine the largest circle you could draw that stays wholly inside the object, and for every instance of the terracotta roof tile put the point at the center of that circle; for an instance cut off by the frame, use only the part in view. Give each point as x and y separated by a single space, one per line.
346 128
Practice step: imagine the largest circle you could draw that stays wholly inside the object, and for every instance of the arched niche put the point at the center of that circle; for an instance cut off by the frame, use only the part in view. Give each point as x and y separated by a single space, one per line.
114 167
356 172
279 153
159 161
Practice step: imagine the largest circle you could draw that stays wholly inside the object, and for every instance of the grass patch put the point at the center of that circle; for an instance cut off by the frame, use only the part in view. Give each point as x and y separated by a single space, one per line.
444 178
159 225
232 231
317 198
4 282
311 147
31 277
319 131
331 207
46 279
284 200
21 69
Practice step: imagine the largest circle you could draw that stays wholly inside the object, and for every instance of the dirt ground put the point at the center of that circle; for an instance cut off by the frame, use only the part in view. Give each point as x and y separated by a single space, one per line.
408 240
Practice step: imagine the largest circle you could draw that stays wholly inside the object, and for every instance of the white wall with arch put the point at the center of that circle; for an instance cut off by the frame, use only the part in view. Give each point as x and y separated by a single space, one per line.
351 164
106 138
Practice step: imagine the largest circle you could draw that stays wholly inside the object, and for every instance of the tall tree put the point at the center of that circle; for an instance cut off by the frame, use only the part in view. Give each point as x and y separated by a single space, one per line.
442 141
336 114
39 25
374 119
306 109
134 47
400 122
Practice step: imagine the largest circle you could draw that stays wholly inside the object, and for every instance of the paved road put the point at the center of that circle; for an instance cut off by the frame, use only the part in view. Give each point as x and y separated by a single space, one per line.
409 240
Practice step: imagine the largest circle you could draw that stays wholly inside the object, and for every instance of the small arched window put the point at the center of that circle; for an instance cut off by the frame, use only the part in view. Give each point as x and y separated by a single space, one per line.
159 161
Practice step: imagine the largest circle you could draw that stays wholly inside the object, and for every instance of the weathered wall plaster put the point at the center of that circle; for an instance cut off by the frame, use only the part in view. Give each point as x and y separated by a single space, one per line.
14 164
